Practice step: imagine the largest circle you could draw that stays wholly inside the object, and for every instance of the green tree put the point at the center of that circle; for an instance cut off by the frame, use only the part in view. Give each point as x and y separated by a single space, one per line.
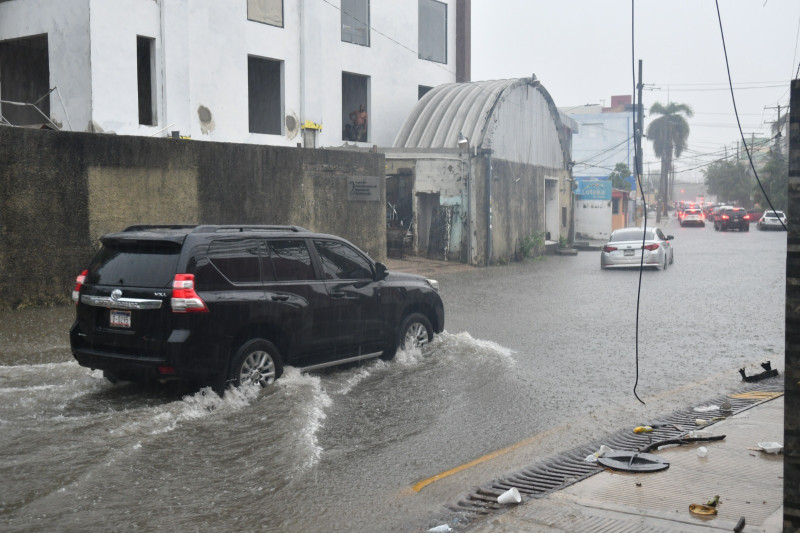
774 178
729 182
669 134
618 175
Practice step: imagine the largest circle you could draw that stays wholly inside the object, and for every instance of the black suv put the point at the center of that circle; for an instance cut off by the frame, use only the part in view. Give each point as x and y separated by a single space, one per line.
226 305
732 218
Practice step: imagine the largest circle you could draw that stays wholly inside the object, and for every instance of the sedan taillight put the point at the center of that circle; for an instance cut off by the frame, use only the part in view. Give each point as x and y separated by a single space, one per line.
651 247
607 248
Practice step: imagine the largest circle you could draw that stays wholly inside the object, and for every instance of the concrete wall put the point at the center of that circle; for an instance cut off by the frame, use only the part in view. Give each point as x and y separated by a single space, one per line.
60 191
518 206
200 60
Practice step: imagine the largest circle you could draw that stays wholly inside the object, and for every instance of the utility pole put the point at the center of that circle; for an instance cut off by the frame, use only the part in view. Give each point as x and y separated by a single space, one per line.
777 126
637 140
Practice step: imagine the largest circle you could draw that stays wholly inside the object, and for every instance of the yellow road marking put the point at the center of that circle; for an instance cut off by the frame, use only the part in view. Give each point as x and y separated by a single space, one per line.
416 487
756 395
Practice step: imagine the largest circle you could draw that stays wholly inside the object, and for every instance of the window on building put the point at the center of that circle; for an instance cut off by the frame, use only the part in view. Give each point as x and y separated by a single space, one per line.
266 11
355 97
355 22
145 74
594 130
433 31
24 77
422 90
615 206
264 88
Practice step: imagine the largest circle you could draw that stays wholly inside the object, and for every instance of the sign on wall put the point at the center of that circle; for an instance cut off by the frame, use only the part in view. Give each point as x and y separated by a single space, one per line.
363 188
592 189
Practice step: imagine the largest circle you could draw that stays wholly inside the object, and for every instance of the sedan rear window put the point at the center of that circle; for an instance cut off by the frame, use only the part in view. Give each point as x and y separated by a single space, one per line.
140 264
630 235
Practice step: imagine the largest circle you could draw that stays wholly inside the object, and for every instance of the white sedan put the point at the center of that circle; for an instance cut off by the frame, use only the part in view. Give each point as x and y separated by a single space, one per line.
772 220
627 249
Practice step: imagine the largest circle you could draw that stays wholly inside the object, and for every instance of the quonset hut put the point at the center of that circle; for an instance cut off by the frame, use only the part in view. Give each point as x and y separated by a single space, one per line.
478 168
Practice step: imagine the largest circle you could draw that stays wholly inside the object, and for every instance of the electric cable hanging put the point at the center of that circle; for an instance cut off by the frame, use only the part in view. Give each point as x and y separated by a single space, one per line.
637 142
736 112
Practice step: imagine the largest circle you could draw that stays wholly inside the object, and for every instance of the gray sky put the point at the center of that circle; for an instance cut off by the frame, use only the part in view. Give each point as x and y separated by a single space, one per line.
581 51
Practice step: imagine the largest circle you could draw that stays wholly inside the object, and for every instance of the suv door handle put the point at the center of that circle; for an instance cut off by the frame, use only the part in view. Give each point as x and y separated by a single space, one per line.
279 298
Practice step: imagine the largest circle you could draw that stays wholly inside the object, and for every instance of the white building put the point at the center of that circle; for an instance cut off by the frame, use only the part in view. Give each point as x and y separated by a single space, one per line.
244 71
604 137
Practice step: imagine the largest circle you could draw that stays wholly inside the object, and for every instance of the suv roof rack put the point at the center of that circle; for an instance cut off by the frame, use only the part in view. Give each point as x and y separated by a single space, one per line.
232 228
214 228
146 227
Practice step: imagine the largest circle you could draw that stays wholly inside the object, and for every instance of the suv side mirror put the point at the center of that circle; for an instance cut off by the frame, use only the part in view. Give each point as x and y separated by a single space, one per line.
380 271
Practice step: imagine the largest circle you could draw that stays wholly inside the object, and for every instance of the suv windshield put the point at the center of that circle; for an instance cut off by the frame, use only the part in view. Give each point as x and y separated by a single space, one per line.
135 265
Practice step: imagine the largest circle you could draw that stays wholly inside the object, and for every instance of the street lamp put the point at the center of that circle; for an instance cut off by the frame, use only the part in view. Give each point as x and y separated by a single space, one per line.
463 142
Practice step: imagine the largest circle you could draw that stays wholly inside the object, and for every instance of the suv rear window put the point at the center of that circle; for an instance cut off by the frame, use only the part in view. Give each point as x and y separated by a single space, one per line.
150 264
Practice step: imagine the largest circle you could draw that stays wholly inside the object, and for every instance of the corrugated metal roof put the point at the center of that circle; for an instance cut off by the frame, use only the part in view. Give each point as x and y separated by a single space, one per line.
516 118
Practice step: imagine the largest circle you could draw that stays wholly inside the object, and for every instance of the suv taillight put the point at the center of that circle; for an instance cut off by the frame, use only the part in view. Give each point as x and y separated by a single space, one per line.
184 298
76 292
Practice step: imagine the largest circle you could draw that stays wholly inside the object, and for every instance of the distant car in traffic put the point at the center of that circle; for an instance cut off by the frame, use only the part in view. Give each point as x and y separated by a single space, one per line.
715 212
754 215
772 220
692 217
732 218
625 249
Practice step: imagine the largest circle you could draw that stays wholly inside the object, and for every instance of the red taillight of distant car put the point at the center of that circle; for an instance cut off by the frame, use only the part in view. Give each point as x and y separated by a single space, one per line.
609 248
724 217
650 247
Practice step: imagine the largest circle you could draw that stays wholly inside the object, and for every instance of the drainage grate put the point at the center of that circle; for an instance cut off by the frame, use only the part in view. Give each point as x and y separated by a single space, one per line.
556 473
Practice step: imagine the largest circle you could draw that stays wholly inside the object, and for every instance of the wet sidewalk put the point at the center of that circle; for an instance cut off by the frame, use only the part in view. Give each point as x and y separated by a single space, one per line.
748 481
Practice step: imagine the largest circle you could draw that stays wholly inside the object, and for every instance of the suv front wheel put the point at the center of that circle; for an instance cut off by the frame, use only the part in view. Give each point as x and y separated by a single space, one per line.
256 361
415 331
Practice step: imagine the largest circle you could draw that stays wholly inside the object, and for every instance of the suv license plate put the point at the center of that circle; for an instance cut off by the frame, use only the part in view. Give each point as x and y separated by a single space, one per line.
120 319
628 252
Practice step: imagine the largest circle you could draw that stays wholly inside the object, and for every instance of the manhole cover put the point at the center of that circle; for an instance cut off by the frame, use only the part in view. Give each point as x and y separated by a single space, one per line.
629 461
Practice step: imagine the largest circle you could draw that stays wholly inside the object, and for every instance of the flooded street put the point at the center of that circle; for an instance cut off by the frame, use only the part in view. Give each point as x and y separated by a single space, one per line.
536 358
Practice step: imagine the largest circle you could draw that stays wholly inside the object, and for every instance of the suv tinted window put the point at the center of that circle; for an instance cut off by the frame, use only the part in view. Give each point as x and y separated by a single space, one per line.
135 265
340 261
237 260
291 260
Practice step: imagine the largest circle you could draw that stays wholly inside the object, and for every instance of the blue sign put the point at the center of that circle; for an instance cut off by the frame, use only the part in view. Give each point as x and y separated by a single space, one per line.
593 189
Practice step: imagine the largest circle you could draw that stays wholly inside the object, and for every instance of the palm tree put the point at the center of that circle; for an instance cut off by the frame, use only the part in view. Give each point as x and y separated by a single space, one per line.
669 134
